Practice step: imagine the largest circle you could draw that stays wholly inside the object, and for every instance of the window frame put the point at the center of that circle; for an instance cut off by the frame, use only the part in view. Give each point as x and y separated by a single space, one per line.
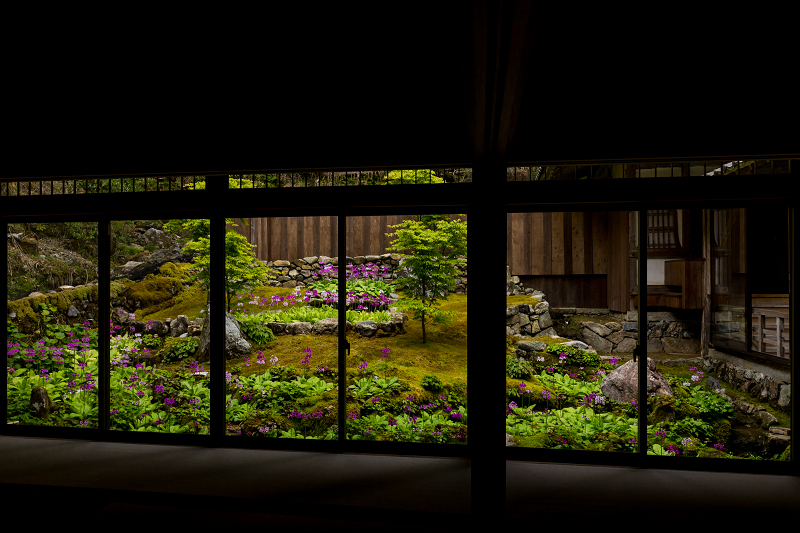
486 200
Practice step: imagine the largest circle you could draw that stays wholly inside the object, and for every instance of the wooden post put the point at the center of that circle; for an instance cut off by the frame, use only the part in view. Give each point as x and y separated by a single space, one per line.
705 327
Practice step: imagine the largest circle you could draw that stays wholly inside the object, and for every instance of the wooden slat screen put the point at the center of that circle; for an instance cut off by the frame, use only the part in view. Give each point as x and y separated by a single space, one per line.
291 238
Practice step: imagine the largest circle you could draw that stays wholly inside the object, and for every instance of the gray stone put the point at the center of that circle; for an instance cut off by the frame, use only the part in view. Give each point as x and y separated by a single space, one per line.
40 402
625 346
616 337
780 430
541 307
654 346
721 392
524 320
549 332
179 326
744 407
326 326
596 341
544 320
299 328
532 346
157 327
621 384
234 345
511 311
366 328
597 328
576 344
614 326
777 443
675 345
766 419
712 384
630 326
73 311
784 396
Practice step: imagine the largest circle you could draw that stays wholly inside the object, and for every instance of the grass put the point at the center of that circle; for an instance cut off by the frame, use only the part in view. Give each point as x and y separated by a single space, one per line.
444 354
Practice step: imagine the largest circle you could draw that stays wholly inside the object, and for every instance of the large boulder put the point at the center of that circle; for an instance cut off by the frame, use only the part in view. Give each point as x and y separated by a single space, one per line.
234 345
622 384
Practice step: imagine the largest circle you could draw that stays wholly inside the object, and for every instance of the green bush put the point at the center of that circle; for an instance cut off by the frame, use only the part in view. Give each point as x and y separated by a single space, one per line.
575 356
256 329
431 383
518 368
180 348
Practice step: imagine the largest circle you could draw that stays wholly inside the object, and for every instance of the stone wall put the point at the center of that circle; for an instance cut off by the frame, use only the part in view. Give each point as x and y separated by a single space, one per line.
300 272
610 332
764 383
531 319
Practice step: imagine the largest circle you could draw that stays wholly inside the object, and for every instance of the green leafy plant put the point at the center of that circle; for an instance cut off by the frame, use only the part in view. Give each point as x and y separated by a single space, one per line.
437 245
518 368
242 267
256 328
180 349
575 356
431 383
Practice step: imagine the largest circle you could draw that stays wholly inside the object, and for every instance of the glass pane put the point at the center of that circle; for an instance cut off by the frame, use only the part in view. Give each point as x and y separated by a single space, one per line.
159 332
723 405
282 376
52 324
729 263
407 302
571 328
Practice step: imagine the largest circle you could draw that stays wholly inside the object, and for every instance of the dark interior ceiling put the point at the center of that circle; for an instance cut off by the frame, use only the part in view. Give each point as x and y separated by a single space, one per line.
158 93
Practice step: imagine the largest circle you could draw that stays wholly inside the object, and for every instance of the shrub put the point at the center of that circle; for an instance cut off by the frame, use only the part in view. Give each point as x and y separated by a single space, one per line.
180 348
255 329
575 356
431 383
517 368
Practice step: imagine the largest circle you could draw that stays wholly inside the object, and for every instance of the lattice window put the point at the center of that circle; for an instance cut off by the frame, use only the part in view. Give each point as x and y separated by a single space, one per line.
663 235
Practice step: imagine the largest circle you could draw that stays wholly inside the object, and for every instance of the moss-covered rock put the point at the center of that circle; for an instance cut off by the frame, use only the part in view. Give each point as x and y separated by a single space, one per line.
722 431
25 312
151 291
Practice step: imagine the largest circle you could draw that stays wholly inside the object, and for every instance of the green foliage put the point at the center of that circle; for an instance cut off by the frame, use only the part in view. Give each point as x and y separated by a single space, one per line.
518 368
422 175
255 328
694 427
242 268
310 314
431 383
180 348
710 404
575 356
437 243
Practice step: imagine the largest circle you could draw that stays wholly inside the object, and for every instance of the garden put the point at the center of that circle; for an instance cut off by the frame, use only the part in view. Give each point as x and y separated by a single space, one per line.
555 401
409 386
405 385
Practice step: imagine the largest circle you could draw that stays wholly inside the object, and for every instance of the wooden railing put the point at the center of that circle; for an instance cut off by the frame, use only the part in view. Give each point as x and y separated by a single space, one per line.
770 316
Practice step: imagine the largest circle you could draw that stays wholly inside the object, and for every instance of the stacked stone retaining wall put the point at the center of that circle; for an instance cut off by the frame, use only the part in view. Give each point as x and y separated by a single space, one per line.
301 272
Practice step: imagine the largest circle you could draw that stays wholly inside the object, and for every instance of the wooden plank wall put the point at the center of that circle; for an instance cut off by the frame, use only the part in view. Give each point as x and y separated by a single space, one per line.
577 247
294 237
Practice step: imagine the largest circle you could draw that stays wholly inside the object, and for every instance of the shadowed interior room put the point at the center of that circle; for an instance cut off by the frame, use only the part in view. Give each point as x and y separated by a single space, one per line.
484 85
